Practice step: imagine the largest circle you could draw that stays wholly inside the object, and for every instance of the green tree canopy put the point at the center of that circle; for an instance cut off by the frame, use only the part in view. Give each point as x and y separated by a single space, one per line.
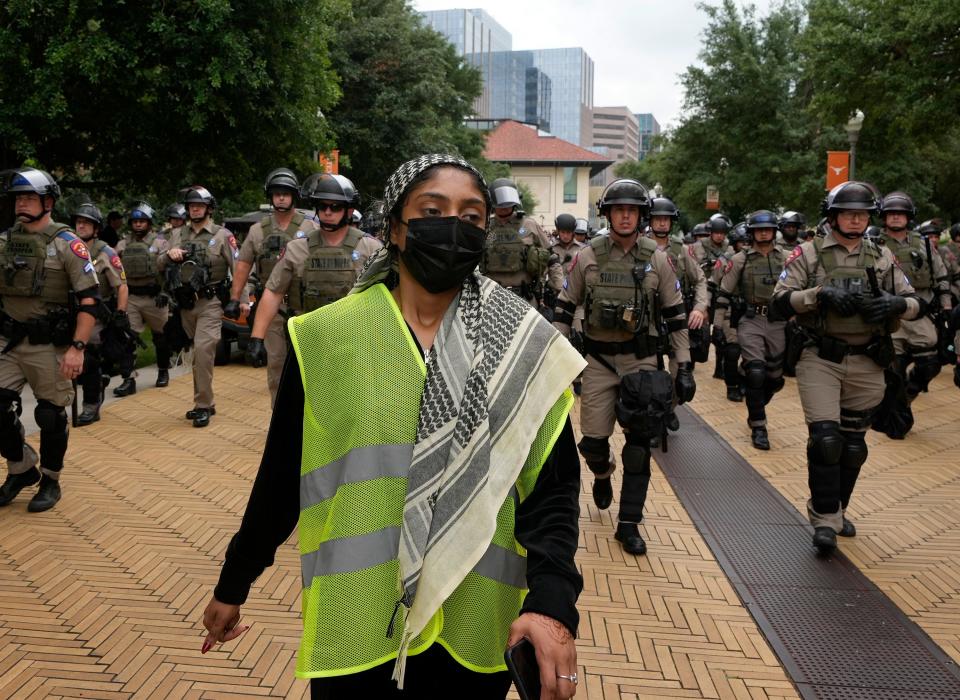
146 97
405 93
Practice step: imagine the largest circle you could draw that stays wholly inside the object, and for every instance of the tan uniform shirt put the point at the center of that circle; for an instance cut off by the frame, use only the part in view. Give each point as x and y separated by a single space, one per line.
688 268
253 244
157 242
108 264
531 233
64 252
567 254
802 264
660 276
290 265
223 244
941 276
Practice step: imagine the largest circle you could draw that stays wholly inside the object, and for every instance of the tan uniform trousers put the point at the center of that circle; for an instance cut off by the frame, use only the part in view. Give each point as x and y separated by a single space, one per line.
916 334
839 392
203 323
38 366
762 339
598 398
143 311
275 343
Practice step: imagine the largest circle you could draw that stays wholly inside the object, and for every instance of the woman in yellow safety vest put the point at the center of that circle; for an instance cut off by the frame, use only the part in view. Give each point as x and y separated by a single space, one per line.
422 446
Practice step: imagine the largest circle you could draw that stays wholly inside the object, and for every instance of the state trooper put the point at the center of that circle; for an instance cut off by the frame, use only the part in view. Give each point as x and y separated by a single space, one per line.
315 269
201 256
50 298
87 222
581 232
176 215
848 294
951 257
632 301
517 254
746 291
693 285
148 306
915 341
566 246
790 224
261 249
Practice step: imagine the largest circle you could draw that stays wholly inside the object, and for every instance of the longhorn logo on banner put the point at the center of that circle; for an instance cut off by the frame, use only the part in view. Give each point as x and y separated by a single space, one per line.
838 168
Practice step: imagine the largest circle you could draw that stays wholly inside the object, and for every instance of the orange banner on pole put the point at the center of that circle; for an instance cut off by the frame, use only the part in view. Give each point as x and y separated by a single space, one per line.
838 168
713 197
330 162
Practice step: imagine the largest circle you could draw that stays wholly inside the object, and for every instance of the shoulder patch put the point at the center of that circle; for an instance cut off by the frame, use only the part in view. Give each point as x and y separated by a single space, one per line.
78 248
115 261
794 254
718 265
728 267
301 234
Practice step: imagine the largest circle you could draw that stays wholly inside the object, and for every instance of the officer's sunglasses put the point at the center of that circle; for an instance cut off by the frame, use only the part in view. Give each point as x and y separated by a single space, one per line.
335 207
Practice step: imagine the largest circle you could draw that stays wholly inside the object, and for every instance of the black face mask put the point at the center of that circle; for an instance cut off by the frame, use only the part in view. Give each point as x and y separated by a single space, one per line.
441 251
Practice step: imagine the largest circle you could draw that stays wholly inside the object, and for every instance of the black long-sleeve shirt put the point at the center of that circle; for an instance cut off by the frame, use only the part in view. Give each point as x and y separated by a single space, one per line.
546 521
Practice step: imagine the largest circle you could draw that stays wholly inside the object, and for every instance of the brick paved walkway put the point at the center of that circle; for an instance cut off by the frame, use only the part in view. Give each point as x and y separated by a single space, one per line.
102 597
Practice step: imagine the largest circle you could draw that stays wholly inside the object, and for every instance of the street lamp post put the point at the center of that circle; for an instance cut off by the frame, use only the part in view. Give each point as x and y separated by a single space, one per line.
854 125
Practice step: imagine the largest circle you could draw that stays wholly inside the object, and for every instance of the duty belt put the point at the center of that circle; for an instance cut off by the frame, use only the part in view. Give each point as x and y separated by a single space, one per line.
148 290
627 347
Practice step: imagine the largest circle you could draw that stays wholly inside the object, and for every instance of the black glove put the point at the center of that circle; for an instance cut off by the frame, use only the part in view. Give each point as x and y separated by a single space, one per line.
232 309
576 340
879 308
162 301
718 338
549 297
686 387
121 321
843 302
256 353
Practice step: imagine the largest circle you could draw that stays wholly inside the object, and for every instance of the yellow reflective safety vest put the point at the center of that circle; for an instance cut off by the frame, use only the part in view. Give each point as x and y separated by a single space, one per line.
363 379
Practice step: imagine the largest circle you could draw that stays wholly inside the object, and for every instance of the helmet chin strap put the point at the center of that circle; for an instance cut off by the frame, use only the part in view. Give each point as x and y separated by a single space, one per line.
330 228
897 229
31 218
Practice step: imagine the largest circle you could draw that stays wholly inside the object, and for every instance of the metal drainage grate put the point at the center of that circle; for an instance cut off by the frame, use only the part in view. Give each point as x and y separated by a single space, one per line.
838 636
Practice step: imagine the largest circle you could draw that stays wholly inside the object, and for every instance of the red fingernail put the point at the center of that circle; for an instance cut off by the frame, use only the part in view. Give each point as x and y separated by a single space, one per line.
206 646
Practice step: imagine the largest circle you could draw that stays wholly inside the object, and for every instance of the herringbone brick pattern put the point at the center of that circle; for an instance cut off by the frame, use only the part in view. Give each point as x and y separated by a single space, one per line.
102 597
905 505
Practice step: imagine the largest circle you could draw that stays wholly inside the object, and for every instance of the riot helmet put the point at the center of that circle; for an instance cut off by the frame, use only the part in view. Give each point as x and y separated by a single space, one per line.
851 196
930 227
700 231
738 236
790 225
283 180
177 211
504 193
356 218
199 195
582 228
337 190
565 222
897 203
719 223
663 207
91 213
39 182
762 220
629 192
141 210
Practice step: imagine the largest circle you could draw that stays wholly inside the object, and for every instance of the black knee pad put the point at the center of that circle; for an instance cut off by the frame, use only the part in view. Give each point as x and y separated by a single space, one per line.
636 459
772 386
731 354
596 453
925 368
49 417
755 374
825 444
11 439
854 449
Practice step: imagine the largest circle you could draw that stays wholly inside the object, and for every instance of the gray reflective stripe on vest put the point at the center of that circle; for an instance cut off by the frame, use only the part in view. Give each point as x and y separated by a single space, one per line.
348 554
503 566
359 464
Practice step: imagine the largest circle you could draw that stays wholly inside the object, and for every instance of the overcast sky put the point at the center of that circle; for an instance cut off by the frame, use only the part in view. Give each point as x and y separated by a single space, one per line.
638 47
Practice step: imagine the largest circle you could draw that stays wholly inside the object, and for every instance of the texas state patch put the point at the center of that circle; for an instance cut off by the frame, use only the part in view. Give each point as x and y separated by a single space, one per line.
794 254
79 249
115 261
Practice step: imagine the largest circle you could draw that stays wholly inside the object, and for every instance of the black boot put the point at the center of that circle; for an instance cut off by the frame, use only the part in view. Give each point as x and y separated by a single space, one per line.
90 414
201 417
126 388
628 534
194 412
46 497
15 483
824 539
602 492
759 438
734 394
163 377
673 423
848 529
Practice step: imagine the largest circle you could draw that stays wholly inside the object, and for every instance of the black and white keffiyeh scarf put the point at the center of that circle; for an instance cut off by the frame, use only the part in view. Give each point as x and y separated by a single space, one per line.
495 370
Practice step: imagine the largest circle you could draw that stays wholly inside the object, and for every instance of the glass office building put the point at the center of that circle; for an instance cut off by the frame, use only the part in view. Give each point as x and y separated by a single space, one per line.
649 127
571 91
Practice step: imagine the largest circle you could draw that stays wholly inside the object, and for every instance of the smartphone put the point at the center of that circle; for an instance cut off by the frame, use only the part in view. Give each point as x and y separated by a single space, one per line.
521 661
